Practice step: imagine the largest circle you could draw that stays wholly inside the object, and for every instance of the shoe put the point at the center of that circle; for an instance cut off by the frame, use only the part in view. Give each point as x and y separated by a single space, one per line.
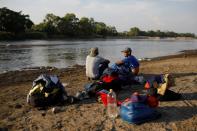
78 95
65 98
85 95
71 99
82 95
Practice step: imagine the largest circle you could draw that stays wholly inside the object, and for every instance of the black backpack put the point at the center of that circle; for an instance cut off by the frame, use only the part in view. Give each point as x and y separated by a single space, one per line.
46 90
109 80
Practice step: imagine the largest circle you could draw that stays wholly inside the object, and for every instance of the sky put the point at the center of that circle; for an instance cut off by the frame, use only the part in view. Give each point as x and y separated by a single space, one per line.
165 15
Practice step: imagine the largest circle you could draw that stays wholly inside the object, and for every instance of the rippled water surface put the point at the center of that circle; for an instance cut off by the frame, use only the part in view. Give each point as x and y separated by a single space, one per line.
62 53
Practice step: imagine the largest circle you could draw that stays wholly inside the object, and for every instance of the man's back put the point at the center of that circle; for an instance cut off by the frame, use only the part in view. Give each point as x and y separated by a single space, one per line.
92 66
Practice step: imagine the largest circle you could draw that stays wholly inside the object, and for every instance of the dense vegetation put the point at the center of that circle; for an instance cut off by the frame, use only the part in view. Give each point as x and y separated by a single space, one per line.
71 26
137 32
15 25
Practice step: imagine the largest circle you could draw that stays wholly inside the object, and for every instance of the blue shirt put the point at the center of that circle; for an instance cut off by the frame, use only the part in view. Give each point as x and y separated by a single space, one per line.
130 62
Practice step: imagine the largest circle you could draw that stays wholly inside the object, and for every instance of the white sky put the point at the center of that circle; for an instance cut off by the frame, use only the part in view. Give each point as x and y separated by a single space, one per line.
171 15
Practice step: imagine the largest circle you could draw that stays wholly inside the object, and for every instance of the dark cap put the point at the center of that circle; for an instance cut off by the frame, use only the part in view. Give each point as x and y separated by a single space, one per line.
127 49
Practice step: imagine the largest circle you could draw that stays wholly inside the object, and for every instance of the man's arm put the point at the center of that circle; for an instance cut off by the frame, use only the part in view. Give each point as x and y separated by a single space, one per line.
135 70
120 62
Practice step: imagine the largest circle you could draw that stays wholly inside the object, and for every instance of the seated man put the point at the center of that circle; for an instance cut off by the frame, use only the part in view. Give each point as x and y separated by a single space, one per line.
129 61
95 65
128 68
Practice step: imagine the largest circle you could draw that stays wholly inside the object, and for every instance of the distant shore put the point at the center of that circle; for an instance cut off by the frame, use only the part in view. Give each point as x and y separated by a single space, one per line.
153 38
43 36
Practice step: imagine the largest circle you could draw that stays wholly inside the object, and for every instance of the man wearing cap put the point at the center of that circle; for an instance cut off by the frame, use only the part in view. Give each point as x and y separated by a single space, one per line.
129 61
95 65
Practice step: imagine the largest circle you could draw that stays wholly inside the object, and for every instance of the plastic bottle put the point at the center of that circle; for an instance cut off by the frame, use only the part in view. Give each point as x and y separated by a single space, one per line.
112 109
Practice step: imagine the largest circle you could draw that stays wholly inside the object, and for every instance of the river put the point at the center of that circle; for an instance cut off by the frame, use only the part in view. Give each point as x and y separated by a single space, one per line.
16 55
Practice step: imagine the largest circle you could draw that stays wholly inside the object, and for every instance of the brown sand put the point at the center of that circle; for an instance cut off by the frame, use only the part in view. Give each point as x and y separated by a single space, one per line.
180 115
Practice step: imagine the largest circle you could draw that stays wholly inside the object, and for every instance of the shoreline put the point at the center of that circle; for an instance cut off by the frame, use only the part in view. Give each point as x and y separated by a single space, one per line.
183 53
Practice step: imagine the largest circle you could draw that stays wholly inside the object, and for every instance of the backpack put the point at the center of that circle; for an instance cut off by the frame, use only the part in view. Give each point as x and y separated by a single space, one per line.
46 90
137 113
93 88
110 80
158 86
136 110
149 100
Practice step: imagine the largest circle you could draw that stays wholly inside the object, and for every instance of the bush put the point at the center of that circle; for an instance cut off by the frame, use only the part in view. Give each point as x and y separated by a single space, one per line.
6 35
35 35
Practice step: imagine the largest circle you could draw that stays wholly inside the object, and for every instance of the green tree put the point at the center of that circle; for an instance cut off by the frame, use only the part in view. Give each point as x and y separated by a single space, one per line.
68 25
151 33
134 31
86 26
171 34
50 24
11 21
111 31
39 27
101 29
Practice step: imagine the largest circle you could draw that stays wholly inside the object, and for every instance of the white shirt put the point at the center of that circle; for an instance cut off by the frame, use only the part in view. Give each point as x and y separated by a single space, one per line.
92 66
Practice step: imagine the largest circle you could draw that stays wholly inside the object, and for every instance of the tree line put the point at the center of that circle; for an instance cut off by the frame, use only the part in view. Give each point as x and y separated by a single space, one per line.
135 31
17 25
71 26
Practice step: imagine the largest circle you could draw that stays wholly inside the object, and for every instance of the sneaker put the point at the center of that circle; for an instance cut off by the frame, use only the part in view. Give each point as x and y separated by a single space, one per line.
85 95
82 95
65 97
78 95
71 99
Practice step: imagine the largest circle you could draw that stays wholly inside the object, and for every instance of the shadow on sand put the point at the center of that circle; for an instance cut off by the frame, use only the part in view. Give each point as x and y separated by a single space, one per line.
173 114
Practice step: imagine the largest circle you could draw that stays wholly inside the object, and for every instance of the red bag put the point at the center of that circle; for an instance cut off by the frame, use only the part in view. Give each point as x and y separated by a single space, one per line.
108 78
103 96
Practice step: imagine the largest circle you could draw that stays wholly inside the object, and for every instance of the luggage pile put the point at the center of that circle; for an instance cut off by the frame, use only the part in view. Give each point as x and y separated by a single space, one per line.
47 90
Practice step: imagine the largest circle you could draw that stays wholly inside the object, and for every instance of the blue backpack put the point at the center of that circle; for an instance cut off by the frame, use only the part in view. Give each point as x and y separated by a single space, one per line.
137 112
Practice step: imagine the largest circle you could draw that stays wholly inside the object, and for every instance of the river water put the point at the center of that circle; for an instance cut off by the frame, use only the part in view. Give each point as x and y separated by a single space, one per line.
17 55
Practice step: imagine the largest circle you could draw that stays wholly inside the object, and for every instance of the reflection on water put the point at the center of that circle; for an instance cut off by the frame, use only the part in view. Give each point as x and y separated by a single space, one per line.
62 53
39 56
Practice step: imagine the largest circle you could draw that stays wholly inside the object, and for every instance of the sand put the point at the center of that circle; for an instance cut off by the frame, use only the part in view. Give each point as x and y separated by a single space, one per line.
180 115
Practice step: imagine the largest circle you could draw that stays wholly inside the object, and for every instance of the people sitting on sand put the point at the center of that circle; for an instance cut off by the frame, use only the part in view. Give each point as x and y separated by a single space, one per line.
95 65
129 61
128 67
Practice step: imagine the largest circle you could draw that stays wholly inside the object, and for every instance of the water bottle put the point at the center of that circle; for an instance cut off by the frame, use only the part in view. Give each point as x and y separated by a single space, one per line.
112 109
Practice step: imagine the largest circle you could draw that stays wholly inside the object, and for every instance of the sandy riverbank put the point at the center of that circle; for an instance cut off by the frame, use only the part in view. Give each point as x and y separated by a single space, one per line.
15 114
